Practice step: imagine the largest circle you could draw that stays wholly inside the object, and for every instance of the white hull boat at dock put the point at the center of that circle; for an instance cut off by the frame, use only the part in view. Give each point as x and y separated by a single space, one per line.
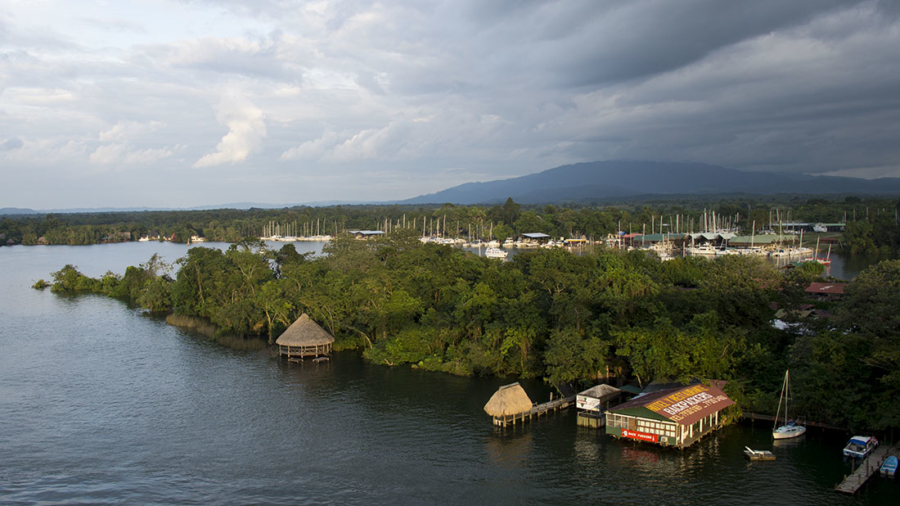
860 446
790 429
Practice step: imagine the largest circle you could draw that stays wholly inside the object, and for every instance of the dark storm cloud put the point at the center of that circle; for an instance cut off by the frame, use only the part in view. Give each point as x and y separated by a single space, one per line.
599 43
429 94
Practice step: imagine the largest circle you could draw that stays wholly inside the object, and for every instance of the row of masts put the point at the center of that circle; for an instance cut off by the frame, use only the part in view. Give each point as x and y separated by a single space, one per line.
294 229
708 221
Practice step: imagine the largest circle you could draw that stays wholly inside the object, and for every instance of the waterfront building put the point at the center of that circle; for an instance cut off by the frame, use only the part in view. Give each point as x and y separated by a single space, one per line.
676 417
365 234
304 338
593 403
534 239
508 403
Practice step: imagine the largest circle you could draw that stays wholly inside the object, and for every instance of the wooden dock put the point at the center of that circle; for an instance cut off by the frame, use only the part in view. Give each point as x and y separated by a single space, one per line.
806 423
537 410
866 469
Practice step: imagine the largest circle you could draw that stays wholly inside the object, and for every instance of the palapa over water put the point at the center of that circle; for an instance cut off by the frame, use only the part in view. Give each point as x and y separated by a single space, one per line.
508 400
304 338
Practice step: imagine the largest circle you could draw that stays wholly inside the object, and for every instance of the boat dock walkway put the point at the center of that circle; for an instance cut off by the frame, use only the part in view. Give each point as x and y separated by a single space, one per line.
806 423
537 410
866 469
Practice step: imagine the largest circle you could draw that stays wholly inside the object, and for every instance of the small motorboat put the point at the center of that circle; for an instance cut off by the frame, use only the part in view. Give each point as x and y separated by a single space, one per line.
889 468
860 446
758 454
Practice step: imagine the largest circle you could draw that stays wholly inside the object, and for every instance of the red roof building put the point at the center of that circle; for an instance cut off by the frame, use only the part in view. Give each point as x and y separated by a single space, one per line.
826 290
673 417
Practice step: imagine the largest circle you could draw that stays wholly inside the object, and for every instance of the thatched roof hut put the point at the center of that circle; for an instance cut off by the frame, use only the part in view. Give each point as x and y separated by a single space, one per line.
304 338
508 400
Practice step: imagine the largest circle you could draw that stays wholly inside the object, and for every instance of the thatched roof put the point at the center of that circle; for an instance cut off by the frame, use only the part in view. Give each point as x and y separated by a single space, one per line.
508 400
304 332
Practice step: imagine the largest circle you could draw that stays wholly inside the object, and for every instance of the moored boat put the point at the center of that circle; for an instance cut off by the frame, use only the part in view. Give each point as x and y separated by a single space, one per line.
860 446
889 467
702 250
791 428
826 260
495 253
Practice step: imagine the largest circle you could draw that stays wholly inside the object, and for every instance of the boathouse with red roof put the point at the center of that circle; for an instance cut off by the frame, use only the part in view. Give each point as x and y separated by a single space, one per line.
676 417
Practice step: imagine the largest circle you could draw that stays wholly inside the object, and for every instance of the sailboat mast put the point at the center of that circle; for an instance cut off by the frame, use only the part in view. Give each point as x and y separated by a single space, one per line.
780 399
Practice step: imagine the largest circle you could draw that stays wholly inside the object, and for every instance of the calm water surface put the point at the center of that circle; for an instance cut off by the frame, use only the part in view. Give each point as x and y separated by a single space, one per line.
102 404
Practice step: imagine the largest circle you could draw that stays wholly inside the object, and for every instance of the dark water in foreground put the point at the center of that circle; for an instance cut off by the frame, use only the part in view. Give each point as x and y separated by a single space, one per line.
101 404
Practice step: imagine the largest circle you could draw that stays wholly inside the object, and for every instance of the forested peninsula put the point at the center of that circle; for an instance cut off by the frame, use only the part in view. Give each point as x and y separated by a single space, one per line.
553 314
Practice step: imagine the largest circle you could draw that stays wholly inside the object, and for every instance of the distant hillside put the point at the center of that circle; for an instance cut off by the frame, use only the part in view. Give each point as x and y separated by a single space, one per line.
16 210
616 179
243 206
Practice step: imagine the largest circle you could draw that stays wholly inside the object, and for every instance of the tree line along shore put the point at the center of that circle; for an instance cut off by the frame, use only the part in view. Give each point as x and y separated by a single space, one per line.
872 224
604 315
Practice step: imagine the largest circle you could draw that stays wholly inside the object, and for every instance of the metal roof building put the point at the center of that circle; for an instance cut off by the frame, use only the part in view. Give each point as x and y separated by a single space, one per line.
826 290
671 417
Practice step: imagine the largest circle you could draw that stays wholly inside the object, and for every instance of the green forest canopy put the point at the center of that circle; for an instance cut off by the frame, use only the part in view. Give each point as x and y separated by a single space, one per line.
551 314
872 224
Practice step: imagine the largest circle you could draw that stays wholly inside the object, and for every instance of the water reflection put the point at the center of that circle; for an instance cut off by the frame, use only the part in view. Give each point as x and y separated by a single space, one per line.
512 449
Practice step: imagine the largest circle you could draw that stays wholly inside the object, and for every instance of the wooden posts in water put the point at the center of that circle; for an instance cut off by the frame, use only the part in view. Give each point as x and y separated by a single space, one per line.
304 338
510 404
866 469
536 411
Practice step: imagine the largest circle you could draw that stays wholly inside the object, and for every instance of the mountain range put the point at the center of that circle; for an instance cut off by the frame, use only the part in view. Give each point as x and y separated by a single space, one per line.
596 181
603 181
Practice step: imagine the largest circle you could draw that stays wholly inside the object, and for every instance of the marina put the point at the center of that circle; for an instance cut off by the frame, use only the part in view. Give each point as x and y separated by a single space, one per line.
866 469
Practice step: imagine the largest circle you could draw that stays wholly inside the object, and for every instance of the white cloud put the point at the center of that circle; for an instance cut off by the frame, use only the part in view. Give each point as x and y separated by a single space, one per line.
314 149
147 156
38 96
120 148
246 129
108 154
124 130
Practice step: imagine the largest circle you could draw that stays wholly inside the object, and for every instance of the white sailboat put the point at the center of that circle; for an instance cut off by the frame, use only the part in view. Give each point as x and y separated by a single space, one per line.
790 429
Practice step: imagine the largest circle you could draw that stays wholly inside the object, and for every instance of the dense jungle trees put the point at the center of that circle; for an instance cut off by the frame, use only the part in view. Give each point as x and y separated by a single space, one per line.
550 313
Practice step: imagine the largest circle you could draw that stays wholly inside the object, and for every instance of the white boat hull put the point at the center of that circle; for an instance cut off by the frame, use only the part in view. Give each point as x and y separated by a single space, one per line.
788 432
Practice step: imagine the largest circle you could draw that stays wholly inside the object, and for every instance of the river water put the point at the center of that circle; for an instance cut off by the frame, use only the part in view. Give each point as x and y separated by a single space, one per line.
103 404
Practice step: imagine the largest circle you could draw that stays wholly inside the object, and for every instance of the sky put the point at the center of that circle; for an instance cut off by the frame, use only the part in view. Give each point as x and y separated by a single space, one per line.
183 103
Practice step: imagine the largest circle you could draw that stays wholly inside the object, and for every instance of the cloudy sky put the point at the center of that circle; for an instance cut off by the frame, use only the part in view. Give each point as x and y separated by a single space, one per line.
168 103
